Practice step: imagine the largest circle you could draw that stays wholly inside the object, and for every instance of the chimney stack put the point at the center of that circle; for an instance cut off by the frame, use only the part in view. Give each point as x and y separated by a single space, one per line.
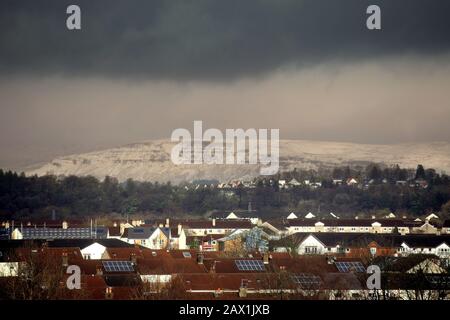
200 258
214 222
65 260
109 293
179 228
167 222
99 271
266 258
133 258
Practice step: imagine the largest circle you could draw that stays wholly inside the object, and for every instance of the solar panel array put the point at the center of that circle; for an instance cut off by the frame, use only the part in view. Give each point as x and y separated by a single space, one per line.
118 266
249 265
307 281
350 266
57 233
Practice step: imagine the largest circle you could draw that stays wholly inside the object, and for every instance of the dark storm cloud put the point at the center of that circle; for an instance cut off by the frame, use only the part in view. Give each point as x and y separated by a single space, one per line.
205 39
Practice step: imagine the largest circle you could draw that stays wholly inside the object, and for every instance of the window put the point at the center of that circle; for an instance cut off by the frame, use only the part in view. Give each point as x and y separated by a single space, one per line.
311 250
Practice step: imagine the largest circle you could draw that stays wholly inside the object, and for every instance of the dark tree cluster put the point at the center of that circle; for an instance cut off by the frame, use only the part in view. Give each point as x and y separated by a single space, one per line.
377 190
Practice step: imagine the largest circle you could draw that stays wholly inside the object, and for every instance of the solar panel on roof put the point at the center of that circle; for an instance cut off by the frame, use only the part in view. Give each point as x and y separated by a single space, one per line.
118 266
350 266
250 265
306 280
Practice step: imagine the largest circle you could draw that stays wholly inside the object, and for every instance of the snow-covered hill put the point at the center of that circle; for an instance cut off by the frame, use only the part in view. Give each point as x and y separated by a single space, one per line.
150 160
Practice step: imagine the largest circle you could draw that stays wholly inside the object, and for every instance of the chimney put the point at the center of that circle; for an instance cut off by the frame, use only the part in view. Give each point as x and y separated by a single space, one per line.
214 222
64 225
161 225
213 267
242 292
179 228
200 258
109 293
167 222
266 258
133 258
99 271
65 260
330 260
115 224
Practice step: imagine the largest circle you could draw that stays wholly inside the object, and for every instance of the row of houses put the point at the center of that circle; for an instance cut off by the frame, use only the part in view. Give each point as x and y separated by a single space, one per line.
114 269
363 245
219 233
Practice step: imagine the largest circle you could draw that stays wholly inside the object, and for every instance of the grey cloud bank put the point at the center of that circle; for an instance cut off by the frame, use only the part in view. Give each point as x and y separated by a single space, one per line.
213 40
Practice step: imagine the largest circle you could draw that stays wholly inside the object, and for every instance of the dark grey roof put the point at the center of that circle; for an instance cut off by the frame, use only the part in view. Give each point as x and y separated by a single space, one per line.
423 240
139 233
330 239
60 233
83 243
4 234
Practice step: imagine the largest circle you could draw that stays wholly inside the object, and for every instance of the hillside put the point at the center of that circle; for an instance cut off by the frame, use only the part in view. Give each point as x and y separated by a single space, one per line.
150 160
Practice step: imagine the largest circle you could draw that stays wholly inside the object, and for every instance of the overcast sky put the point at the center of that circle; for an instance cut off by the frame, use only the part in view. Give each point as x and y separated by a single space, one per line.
139 69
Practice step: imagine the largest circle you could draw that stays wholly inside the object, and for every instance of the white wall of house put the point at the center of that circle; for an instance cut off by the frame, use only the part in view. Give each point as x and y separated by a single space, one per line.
375 228
206 231
93 252
156 278
9 269
311 246
443 250
182 241
16 234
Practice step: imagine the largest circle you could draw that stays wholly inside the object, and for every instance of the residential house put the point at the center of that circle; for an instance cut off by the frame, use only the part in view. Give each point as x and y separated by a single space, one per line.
150 237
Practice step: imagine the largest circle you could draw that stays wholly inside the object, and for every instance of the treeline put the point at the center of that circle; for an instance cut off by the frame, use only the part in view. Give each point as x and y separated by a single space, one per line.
22 196
375 173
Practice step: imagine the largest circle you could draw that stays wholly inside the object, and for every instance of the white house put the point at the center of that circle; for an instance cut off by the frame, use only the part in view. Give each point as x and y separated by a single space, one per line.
311 245
310 216
292 216
431 216
9 269
232 215
94 251
178 238
428 245
150 237
427 228
294 183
